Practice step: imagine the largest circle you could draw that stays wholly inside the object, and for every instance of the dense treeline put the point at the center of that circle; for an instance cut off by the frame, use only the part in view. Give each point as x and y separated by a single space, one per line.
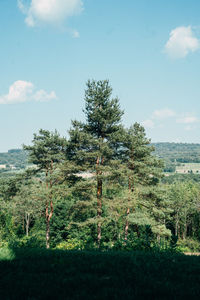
180 152
175 154
14 159
100 188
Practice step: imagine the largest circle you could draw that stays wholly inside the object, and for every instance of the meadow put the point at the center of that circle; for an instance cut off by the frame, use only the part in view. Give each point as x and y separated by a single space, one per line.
57 274
188 168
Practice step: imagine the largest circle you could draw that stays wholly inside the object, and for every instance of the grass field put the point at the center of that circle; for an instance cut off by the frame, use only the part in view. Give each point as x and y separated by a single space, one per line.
42 274
188 167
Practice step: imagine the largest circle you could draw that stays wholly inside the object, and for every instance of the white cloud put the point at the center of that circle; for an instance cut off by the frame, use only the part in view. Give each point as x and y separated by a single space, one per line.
148 124
163 113
182 41
75 34
49 11
23 91
187 120
42 95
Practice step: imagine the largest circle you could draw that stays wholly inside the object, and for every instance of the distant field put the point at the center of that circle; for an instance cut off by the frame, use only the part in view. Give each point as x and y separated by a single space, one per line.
186 168
76 275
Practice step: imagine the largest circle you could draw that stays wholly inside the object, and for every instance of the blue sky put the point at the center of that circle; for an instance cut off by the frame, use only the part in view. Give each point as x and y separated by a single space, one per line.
148 49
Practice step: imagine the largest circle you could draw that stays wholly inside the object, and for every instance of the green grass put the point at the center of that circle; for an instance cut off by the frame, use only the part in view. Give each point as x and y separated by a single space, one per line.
187 167
41 274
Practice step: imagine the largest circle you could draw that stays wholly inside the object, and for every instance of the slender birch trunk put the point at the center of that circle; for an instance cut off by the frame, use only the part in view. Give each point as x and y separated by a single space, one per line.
127 212
99 209
99 199
176 224
27 219
127 224
131 190
48 218
49 214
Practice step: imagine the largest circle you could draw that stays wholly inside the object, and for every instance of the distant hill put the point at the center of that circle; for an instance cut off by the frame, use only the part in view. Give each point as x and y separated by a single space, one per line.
13 159
174 154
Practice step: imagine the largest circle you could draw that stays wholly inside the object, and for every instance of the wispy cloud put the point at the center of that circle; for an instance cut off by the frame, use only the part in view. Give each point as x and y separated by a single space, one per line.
163 113
160 118
181 42
23 91
158 115
187 120
149 124
52 12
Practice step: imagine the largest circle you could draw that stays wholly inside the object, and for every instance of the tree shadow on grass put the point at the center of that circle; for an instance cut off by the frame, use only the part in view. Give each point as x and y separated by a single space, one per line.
29 273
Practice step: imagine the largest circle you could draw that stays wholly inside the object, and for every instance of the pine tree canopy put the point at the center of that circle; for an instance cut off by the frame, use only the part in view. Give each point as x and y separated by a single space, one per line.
103 114
48 147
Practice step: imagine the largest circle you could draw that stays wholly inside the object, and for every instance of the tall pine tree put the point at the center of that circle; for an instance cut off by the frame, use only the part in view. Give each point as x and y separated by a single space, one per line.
142 168
90 143
47 150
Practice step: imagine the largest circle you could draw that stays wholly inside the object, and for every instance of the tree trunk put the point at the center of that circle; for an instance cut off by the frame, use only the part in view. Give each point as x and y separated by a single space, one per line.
99 209
179 231
185 231
176 225
185 227
48 218
131 190
158 239
23 224
47 233
27 218
99 162
49 215
127 224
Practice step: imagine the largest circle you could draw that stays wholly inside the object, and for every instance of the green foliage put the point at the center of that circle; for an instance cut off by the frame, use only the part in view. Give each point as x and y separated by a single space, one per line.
6 254
103 114
47 147
34 241
101 188
144 168
71 244
188 245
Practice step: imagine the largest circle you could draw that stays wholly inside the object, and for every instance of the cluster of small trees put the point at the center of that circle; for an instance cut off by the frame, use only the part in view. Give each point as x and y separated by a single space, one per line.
100 187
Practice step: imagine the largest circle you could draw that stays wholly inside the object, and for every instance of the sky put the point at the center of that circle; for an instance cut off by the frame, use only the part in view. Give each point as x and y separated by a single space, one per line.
148 49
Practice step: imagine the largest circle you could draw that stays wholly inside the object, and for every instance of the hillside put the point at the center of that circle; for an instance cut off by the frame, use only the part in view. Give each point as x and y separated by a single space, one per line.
179 152
173 154
14 159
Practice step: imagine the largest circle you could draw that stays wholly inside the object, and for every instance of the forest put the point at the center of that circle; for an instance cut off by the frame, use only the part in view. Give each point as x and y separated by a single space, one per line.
100 188
13 160
172 154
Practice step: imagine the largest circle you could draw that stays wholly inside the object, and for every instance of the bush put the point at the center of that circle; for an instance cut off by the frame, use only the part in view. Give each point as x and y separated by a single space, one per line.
70 244
133 243
28 241
3 244
188 245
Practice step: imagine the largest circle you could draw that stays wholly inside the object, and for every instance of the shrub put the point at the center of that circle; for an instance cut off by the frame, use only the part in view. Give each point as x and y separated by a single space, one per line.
71 244
33 241
188 245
